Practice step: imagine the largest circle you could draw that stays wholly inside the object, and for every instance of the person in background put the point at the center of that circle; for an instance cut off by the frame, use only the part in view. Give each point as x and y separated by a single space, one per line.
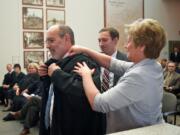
7 82
26 103
65 108
11 92
163 63
172 79
175 55
108 41
138 93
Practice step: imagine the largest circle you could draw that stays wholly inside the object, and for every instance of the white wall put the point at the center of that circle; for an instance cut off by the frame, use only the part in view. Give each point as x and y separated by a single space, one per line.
85 17
167 12
10 32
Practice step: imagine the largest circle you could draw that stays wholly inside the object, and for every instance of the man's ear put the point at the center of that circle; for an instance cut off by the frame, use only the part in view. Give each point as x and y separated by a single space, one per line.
67 37
115 40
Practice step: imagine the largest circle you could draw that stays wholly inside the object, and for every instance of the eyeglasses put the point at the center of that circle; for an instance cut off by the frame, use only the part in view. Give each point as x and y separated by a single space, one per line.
49 41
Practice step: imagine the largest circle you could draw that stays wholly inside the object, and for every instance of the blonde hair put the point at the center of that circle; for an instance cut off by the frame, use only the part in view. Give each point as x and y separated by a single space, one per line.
148 33
34 65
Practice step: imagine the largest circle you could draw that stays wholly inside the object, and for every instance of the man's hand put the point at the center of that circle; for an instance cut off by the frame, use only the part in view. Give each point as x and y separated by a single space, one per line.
5 86
17 92
52 68
15 87
43 70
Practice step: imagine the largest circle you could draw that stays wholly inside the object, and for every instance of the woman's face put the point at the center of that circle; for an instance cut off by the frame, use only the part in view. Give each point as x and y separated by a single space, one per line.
134 53
32 69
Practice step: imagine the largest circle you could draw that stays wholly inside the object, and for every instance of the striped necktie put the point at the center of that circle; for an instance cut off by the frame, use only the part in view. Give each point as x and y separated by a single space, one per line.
105 80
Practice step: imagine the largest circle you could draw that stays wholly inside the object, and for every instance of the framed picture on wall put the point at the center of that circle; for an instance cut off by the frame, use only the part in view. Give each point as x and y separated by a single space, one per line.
33 56
32 18
55 3
55 17
33 40
117 13
32 2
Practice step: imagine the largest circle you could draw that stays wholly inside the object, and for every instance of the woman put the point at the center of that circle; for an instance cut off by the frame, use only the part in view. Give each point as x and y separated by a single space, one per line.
138 93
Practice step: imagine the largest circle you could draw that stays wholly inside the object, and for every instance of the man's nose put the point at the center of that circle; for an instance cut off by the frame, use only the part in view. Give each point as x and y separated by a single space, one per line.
47 46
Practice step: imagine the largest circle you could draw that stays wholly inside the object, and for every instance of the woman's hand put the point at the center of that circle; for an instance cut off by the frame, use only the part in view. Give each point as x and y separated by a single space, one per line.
83 70
76 50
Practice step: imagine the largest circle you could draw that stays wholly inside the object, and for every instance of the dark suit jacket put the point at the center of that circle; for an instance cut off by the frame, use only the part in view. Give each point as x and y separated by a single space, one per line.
72 114
17 78
175 81
28 80
7 79
119 56
175 58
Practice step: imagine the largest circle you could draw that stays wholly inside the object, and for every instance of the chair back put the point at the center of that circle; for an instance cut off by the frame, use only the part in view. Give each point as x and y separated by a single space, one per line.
169 102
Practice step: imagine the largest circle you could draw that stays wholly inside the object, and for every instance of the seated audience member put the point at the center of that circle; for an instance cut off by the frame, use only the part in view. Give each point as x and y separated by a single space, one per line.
7 82
172 79
138 93
17 76
30 111
175 55
25 87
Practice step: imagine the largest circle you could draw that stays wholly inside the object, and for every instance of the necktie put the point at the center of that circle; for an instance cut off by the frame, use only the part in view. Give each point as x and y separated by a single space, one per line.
105 80
48 107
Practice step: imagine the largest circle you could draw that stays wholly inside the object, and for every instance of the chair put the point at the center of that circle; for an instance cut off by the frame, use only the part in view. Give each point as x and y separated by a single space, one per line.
169 106
178 101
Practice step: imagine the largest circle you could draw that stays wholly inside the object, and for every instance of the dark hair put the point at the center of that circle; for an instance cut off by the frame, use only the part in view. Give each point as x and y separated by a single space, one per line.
112 31
66 30
17 66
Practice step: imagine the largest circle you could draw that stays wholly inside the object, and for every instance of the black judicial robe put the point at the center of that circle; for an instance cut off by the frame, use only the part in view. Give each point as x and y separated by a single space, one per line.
72 114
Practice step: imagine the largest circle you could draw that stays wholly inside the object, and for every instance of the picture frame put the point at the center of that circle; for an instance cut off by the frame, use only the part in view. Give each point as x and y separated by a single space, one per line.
33 56
33 40
54 16
117 13
32 18
32 2
55 3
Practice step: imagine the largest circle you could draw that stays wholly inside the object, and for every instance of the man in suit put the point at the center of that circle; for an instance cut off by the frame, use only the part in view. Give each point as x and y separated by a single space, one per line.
108 39
8 79
172 79
17 76
175 55
65 109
